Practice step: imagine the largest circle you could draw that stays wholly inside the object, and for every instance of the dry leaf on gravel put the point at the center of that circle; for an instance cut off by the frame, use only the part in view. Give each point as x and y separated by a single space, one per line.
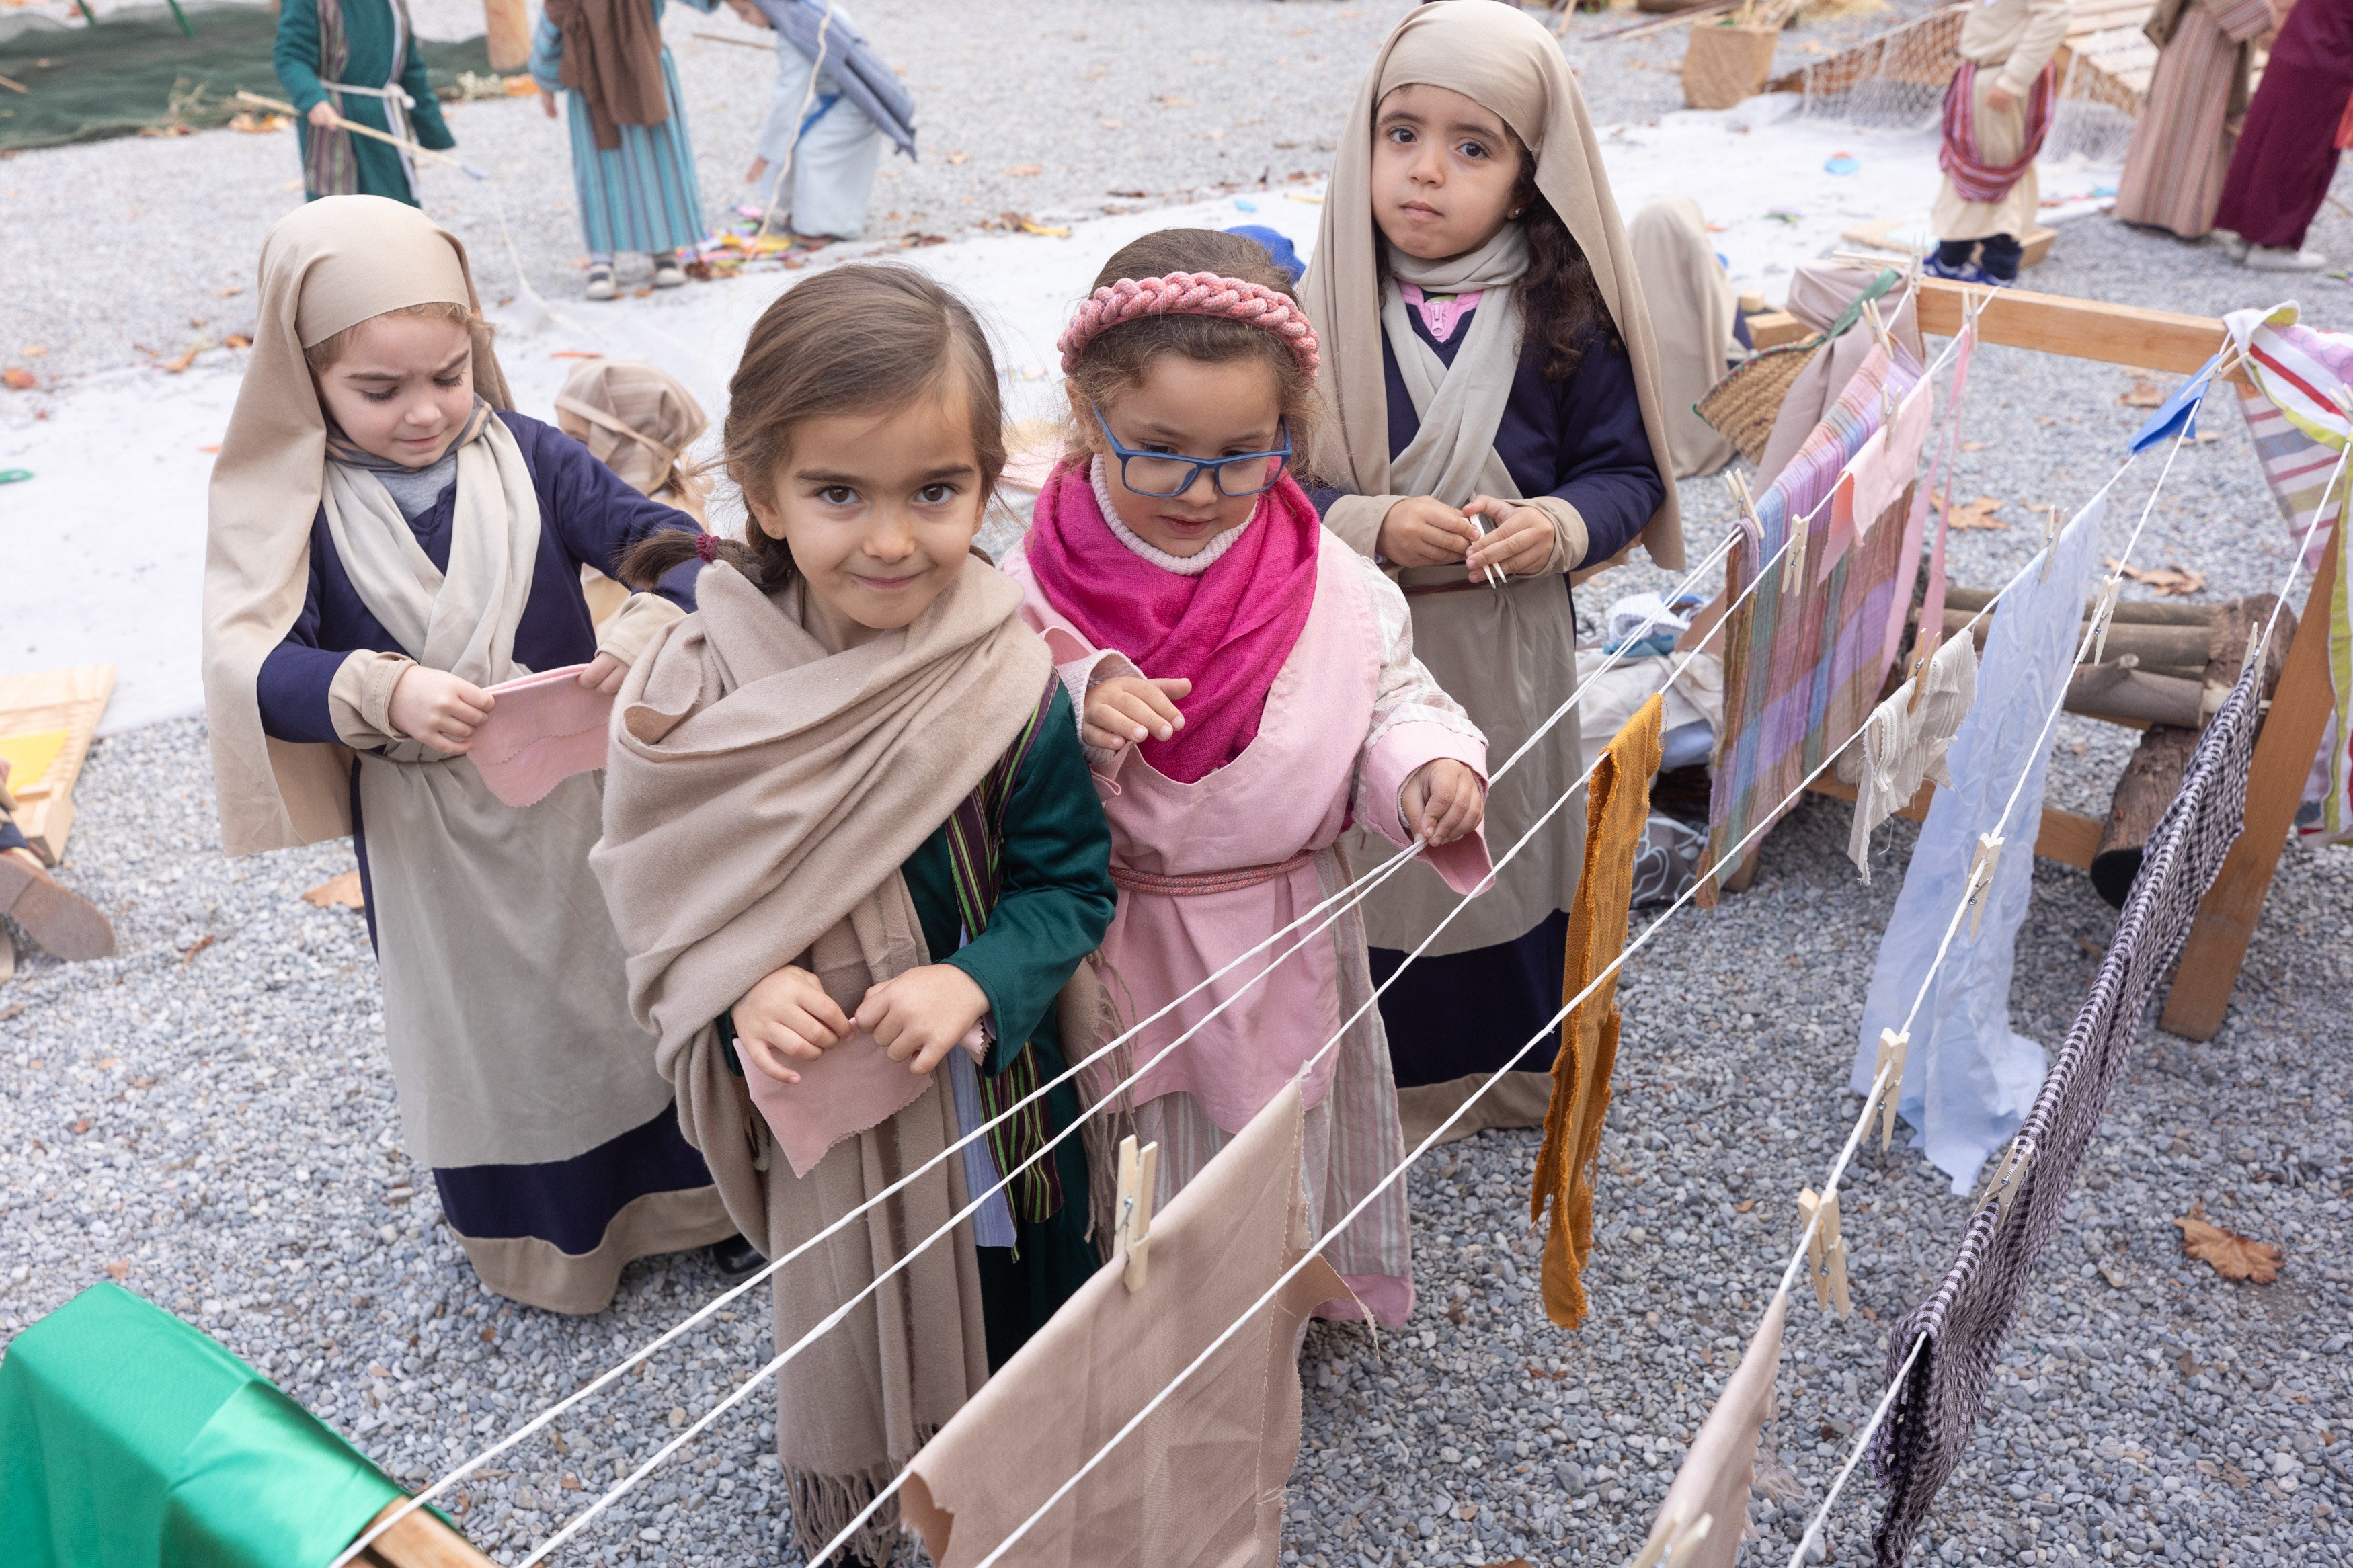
1023 171
340 892
17 380
2234 1256
1979 513
2174 578
2144 393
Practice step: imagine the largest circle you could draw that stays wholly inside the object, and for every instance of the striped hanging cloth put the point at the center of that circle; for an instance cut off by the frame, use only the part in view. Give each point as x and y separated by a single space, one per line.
1980 181
975 848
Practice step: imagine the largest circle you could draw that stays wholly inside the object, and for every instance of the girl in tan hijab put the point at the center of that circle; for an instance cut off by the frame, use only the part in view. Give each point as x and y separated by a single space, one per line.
387 540
1489 356
637 420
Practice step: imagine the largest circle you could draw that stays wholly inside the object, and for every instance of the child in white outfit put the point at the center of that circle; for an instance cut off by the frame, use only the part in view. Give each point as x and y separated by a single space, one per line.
833 160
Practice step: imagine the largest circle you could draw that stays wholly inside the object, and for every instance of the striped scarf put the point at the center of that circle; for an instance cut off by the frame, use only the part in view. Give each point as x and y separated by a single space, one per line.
1978 181
975 852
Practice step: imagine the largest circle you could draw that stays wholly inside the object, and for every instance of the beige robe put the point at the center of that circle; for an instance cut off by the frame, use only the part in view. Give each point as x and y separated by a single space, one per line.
2012 41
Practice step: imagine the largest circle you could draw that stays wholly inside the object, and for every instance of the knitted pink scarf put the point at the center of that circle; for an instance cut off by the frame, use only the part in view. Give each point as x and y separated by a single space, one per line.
1227 630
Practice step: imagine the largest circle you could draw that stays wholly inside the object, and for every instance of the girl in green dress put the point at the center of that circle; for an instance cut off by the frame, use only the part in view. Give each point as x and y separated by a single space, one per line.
357 61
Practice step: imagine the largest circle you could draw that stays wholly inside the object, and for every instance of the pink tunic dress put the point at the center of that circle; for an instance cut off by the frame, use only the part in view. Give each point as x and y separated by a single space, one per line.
1208 869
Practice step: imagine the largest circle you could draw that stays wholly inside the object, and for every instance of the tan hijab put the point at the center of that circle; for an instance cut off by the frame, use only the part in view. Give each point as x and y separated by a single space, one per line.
1692 310
331 264
635 419
1507 61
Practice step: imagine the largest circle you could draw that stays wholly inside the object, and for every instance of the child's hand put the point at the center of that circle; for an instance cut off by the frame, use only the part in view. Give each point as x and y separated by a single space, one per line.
437 707
923 1014
605 674
1441 801
322 115
1422 531
547 102
756 173
787 1016
2000 100
1520 544
1125 709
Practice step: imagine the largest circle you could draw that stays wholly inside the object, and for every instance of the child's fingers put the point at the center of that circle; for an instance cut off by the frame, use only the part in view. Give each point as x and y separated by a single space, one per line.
1175 686
1101 739
1156 703
928 1059
1137 710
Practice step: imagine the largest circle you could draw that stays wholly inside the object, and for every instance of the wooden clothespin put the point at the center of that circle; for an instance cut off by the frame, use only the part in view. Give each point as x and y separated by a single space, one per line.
1982 866
2011 1174
1670 1538
1825 1249
2103 610
2049 543
2259 648
1139 1182
1924 648
1889 1075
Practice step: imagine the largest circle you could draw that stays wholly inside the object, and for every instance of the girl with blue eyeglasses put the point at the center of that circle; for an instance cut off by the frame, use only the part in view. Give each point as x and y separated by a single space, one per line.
1246 691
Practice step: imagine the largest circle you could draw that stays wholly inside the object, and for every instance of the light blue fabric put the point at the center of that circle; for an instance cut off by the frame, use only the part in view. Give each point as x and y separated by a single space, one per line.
2177 415
643 194
1968 1080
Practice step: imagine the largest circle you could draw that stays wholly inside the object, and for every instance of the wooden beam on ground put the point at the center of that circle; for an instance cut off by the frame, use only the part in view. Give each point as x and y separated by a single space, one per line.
2283 752
2081 329
2066 836
420 1541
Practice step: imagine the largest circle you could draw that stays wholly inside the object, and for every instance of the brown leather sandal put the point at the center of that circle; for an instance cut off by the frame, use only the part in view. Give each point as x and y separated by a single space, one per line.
52 914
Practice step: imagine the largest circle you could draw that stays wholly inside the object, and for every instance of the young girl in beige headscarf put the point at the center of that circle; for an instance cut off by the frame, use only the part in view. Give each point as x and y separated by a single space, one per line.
387 540
1488 353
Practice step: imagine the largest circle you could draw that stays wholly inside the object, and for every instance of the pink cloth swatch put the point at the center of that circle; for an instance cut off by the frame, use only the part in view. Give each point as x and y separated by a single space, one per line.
852 1086
544 728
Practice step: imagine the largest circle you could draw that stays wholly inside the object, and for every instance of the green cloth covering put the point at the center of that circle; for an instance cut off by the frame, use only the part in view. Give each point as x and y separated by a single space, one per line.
129 1439
135 71
368 29
1056 902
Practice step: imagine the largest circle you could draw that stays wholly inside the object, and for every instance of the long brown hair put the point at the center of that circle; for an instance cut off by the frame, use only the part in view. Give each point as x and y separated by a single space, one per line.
853 339
1115 360
1558 299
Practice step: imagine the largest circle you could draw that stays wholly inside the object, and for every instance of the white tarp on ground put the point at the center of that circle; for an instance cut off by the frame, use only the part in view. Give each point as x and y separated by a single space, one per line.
104 546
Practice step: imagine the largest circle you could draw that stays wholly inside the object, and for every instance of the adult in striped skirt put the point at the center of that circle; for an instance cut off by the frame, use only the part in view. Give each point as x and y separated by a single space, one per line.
2181 143
632 160
356 62
1997 111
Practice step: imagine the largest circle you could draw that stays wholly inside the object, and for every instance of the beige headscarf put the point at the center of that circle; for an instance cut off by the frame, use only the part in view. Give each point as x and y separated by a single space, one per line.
634 418
331 264
1507 61
1692 311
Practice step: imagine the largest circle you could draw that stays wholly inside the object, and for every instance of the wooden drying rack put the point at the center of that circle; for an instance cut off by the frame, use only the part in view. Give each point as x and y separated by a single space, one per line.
2299 708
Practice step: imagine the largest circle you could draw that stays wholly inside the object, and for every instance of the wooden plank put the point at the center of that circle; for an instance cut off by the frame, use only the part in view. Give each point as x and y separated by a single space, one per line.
69 700
2218 941
1771 328
2066 836
2081 329
421 1540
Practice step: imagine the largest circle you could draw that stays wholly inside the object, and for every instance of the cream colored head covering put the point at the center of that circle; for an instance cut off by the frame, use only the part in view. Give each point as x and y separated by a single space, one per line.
636 419
1693 307
331 264
1505 60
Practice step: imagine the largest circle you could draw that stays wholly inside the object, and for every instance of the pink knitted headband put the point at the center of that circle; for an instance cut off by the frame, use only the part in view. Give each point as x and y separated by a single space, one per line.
1190 294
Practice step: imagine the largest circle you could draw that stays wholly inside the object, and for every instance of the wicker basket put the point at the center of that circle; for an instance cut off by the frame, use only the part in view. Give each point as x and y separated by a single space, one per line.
1744 405
1727 62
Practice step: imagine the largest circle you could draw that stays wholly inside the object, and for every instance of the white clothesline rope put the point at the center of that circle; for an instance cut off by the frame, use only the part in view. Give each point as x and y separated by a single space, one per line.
1338 904
785 1357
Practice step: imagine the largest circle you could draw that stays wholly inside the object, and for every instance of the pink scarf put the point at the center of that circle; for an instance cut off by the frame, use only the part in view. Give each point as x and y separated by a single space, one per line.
1227 630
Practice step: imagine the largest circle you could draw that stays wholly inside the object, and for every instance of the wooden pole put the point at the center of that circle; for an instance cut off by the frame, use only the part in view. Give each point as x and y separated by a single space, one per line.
508 25
2284 752
2081 329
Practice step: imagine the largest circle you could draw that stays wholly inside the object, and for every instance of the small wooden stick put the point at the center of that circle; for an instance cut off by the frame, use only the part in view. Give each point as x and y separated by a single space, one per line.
13 85
356 129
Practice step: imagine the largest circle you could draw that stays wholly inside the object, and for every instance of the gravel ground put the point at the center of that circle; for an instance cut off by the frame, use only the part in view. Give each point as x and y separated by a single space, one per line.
208 1118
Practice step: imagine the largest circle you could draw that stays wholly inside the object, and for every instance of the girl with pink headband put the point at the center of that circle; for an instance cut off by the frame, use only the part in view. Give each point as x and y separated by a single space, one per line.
1247 690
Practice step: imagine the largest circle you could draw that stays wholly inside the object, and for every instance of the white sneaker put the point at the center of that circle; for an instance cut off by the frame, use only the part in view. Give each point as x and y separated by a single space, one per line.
600 283
2231 244
2279 258
668 273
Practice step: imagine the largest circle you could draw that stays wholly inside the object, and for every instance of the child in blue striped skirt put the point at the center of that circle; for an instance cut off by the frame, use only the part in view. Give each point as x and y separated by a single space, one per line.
632 160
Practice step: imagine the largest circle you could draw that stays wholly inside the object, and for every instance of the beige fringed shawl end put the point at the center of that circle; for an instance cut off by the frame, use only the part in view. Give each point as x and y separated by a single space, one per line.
1718 1472
1202 1478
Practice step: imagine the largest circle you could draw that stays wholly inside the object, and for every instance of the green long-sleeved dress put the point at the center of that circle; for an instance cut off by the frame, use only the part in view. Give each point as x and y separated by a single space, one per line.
381 52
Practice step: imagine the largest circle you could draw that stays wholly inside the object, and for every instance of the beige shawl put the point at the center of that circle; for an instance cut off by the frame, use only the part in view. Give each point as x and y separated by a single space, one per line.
1692 311
1507 61
328 265
761 795
1202 1480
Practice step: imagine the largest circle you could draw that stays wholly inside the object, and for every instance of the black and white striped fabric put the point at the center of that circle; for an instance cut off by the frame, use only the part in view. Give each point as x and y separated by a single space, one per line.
1965 1321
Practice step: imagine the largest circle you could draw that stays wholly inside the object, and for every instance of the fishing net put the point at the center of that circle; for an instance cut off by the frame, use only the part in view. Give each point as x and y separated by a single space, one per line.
1896 80
135 72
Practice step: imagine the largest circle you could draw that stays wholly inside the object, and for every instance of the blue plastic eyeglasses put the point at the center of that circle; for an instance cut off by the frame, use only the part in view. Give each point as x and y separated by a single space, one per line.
1163 475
